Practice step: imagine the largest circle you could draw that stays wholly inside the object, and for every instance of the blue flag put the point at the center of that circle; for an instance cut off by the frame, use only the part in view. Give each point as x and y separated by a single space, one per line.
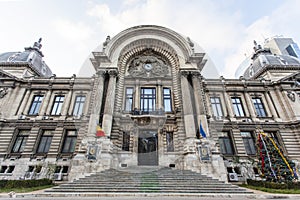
202 132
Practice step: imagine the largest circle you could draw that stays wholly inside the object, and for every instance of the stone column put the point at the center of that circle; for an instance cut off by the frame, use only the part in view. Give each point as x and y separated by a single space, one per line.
109 102
159 94
24 102
199 102
46 102
188 114
67 102
249 104
271 105
95 103
228 105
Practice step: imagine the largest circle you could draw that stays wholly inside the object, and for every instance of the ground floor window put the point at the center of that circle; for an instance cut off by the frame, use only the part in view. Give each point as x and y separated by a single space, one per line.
225 142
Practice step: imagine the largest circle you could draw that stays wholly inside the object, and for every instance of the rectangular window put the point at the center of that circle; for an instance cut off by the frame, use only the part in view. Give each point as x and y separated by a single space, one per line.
129 99
216 106
170 141
69 141
126 141
259 107
167 99
237 106
249 143
20 142
148 99
35 105
57 105
78 106
225 142
45 141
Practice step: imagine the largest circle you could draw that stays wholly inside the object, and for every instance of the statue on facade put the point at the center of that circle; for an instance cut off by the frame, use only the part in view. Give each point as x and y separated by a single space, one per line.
38 44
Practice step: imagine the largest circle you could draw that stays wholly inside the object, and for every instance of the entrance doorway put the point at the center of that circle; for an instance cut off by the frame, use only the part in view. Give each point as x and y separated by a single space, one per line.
147 148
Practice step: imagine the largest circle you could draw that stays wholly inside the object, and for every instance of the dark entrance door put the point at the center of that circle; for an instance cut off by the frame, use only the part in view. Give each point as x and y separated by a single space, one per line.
147 149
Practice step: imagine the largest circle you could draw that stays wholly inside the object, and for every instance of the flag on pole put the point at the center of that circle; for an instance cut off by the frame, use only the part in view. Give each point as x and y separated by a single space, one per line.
202 132
99 132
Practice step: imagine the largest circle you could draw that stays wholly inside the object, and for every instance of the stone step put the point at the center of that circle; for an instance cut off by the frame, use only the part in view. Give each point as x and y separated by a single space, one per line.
149 190
151 181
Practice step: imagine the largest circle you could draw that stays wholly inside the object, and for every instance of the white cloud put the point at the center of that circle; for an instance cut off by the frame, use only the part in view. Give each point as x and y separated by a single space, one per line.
72 31
204 21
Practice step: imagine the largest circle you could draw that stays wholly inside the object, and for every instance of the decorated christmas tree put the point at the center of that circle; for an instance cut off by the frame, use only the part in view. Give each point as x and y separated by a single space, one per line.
273 165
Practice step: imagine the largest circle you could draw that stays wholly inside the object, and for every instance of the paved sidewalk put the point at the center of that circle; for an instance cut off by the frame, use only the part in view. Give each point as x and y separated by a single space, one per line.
39 195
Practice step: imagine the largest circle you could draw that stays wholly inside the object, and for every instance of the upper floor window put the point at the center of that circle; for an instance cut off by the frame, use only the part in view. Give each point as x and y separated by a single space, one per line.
237 106
148 99
35 105
249 142
167 100
57 105
225 142
78 106
69 141
216 106
259 107
20 141
45 141
129 99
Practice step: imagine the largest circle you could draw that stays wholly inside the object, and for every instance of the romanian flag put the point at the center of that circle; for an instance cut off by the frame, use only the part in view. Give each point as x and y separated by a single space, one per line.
99 132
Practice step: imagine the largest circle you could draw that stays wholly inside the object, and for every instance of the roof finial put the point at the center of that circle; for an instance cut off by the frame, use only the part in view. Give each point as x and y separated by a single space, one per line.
38 44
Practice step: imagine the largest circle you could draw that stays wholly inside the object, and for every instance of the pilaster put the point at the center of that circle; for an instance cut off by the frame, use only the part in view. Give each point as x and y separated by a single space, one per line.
109 102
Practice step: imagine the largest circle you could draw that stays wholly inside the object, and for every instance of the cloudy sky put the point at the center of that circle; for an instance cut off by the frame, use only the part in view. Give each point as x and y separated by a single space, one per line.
72 29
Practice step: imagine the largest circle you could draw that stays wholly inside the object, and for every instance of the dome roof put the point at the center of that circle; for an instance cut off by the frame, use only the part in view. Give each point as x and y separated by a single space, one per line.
32 57
263 59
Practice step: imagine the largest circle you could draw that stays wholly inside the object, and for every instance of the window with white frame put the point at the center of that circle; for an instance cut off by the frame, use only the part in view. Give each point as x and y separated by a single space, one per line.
226 144
129 99
167 99
45 141
35 105
20 141
69 141
237 106
216 106
78 105
259 107
249 142
57 105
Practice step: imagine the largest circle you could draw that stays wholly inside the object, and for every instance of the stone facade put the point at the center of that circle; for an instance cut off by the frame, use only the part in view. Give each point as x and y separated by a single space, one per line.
149 96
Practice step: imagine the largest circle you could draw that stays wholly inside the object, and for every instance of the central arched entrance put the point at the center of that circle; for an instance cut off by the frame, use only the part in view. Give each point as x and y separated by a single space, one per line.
147 148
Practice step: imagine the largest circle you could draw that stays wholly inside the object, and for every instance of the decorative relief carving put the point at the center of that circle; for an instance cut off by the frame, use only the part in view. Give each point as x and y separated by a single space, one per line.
3 92
291 96
148 66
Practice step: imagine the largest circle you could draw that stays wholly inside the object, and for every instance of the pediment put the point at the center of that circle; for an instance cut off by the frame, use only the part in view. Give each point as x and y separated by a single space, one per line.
292 77
5 75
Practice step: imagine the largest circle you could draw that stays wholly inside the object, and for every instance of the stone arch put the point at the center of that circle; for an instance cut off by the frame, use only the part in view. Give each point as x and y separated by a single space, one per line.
159 47
179 44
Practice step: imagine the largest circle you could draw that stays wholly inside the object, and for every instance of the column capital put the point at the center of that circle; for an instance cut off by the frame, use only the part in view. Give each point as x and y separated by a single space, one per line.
101 72
113 72
195 74
184 73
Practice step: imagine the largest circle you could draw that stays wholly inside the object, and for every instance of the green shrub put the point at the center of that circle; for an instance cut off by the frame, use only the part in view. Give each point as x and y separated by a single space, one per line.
24 183
273 185
3 183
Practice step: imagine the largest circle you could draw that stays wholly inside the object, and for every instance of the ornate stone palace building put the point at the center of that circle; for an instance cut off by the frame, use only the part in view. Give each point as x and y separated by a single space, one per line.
147 102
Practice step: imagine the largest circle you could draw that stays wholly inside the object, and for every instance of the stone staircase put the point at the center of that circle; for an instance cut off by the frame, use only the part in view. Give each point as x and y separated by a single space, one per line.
164 180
